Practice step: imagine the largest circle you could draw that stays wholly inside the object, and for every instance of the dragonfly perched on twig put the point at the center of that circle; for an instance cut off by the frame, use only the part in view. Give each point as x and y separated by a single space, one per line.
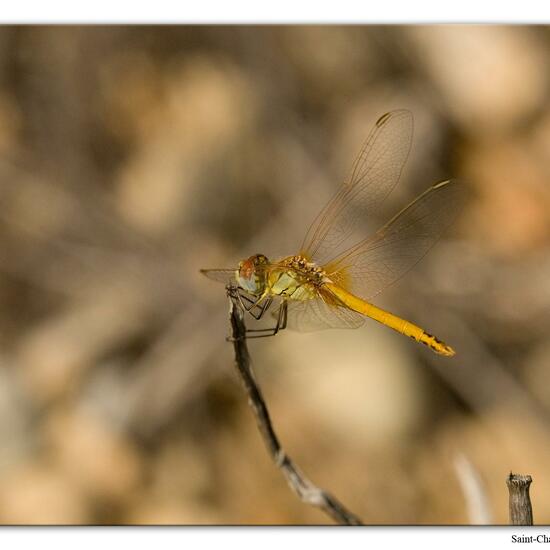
329 283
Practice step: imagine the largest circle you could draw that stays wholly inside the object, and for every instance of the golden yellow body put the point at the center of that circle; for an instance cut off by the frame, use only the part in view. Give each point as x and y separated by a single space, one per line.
296 279
390 320
335 265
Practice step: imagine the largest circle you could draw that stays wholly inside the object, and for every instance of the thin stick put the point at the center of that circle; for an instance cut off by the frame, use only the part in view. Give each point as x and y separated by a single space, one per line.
305 489
521 512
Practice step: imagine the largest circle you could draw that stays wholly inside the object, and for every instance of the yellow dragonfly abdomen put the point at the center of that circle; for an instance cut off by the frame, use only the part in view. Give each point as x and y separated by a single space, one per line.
389 319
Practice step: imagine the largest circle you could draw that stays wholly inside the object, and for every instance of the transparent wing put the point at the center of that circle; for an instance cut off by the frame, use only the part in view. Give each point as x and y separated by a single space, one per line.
375 263
224 276
311 315
375 173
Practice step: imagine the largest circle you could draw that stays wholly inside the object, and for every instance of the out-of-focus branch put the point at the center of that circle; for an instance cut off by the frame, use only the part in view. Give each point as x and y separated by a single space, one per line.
304 488
521 512
475 495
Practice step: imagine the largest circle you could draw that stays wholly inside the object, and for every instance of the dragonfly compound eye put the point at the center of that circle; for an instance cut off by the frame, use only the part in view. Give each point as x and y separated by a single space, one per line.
259 260
252 273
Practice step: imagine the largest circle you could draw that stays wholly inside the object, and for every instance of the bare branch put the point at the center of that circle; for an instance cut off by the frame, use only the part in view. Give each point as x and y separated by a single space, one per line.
521 512
305 489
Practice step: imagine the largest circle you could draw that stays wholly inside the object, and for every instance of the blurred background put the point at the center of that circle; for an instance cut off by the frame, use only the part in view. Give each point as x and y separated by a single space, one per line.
131 157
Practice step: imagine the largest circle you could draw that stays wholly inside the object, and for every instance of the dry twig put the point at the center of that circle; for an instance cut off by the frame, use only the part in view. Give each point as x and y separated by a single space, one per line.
521 512
305 489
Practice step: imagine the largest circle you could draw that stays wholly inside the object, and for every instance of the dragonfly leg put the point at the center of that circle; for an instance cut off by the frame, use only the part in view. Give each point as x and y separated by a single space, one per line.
284 305
254 307
251 305
258 309
280 325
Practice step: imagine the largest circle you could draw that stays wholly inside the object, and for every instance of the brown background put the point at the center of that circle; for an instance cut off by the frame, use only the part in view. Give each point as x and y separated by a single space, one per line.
130 157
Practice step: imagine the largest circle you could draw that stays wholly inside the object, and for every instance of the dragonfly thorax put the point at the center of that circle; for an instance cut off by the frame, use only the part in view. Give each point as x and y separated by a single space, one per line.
295 278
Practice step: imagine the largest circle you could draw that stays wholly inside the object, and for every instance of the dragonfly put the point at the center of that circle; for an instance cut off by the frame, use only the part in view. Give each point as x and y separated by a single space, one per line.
331 281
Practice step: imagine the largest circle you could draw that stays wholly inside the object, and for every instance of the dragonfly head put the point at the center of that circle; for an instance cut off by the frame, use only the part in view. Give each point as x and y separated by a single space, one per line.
252 274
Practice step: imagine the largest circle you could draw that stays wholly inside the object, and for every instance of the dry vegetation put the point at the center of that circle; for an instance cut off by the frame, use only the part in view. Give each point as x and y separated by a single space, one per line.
130 157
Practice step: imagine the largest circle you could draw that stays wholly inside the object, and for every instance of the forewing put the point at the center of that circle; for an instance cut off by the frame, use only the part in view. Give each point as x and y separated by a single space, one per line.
224 276
375 173
375 263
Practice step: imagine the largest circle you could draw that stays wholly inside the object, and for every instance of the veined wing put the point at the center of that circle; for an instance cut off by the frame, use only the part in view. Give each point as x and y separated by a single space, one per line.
224 276
318 314
375 263
375 173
